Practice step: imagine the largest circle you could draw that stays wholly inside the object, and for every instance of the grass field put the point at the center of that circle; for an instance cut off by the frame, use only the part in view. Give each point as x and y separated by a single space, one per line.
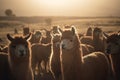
8 25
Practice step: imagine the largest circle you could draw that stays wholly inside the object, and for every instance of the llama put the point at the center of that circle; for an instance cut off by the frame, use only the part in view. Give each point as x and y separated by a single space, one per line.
76 67
113 49
19 57
89 32
55 57
56 30
40 52
26 30
48 38
36 37
97 40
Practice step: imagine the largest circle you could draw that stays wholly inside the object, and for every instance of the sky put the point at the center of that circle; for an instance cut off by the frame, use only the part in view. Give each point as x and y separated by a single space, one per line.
61 7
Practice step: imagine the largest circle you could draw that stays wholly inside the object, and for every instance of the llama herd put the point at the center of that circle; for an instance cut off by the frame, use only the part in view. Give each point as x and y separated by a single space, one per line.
63 54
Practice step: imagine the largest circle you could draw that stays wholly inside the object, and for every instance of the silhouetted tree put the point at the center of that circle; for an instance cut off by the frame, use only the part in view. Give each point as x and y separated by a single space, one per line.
9 12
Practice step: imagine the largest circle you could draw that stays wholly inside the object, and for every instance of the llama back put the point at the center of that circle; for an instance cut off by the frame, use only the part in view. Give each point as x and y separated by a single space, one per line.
93 63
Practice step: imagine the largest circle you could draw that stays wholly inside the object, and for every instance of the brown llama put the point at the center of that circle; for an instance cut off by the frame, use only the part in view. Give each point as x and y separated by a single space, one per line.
19 57
56 30
76 67
40 52
55 57
36 37
89 32
113 49
97 40
48 38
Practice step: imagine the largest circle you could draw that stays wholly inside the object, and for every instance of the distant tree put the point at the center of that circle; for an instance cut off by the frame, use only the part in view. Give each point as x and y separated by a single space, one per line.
9 12
48 21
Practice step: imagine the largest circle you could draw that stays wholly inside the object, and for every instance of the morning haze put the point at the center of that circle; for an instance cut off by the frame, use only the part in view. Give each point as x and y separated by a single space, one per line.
61 7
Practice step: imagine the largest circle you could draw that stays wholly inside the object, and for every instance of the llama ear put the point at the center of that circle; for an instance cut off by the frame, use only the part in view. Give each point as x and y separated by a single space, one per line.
28 37
105 35
73 30
10 37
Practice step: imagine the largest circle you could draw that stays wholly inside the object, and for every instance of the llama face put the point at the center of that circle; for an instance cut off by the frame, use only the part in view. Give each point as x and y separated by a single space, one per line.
19 46
98 32
113 48
113 43
68 39
37 34
55 29
67 44
21 50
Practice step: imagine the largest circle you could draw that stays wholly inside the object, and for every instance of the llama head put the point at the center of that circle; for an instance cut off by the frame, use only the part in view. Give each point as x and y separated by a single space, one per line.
26 30
113 44
37 34
98 32
19 46
56 29
49 35
69 39
56 39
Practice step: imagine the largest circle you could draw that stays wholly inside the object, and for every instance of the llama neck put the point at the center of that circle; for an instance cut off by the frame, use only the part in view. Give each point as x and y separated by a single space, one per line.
19 68
116 64
72 62
56 50
98 44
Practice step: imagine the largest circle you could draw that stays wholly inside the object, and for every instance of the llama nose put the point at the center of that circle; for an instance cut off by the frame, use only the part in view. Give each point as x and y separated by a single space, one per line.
22 52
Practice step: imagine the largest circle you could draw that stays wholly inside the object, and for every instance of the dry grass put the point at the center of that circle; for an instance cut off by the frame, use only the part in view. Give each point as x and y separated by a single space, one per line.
107 24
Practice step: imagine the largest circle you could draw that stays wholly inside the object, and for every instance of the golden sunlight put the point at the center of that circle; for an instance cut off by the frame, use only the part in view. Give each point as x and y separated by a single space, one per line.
60 7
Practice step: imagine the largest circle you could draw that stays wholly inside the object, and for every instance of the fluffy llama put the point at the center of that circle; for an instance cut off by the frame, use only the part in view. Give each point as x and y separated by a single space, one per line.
113 49
55 57
19 57
76 67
